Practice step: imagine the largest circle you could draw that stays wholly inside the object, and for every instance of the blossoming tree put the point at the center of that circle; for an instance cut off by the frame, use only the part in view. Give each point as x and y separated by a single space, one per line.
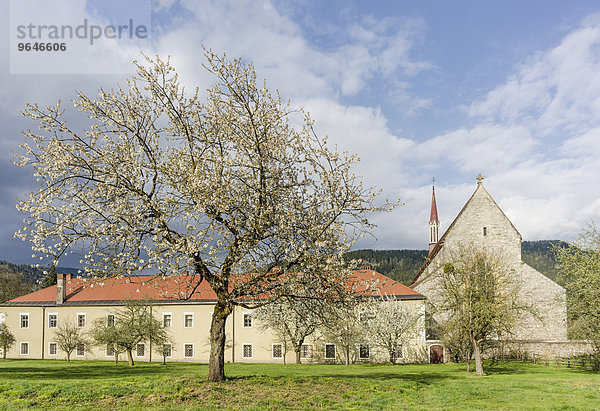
220 189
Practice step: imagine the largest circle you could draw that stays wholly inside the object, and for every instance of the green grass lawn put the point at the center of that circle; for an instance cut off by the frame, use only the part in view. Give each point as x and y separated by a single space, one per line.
103 385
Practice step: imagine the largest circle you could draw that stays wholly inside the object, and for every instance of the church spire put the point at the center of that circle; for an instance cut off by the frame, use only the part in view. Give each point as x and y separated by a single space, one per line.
434 222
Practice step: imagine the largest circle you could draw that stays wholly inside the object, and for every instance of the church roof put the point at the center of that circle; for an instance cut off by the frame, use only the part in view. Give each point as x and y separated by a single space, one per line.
439 245
175 288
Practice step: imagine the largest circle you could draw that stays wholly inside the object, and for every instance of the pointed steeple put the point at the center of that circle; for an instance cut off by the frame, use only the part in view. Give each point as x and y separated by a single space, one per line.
434 222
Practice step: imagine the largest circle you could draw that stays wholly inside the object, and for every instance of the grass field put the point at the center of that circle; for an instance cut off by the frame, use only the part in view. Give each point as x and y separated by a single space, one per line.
103 385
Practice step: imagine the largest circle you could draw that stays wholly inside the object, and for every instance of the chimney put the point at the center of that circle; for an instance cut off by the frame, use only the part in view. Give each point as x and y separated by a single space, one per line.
61 289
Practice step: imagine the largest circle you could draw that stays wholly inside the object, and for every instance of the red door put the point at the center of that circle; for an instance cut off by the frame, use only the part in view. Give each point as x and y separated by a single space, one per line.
436 354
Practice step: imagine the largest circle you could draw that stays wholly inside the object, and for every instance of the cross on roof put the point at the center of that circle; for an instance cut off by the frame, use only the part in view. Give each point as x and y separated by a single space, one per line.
479 178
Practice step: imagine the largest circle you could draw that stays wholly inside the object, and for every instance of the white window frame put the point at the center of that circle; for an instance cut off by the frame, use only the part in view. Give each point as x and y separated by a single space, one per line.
114 319
184 320
273 351
170 320
368 357
77 350
401 351
137 348
21 347
21 315
244 320
309 350
244 345
49 321
184 350
109 346
50 350
171 350
334 351
84 320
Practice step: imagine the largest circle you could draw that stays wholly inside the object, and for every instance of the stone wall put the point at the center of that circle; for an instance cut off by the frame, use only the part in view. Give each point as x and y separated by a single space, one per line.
544 349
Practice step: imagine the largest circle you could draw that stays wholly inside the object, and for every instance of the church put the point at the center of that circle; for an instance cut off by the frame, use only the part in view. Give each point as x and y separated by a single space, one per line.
482 223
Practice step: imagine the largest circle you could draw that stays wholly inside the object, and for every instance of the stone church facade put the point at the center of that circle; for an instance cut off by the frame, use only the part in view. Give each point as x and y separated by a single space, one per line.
483 224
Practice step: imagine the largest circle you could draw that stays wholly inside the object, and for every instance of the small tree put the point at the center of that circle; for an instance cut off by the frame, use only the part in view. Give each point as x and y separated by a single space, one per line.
344 328
390 325
133 324
477 299
7 339
164 349
579 270
105 334
292 320
68 336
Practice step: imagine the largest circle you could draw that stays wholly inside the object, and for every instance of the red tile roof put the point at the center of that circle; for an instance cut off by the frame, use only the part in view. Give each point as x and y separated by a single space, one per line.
175 288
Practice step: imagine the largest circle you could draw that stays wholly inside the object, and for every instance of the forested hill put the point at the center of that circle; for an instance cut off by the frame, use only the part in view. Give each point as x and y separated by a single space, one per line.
403 265
20 279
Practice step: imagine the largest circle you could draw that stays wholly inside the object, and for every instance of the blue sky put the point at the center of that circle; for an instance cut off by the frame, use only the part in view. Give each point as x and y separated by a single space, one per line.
443 89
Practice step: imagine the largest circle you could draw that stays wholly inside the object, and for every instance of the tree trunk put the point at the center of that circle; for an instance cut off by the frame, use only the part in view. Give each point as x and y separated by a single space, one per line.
297 351
164 360
130 357
4 352
468 365
347 349
216 362
68 357
116 357
477 355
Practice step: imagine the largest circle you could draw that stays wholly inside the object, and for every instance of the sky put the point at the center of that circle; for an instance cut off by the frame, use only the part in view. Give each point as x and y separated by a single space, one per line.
419 90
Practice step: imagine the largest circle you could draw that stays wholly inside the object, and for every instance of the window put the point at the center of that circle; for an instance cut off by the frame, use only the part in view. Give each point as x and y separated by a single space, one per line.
363 352
484 231
52 348
247 350
81 320
188 320
330 351
80 350
168 350
24 348
24 320
397 352
247 320
305 351
140 350
167 320
52 320
188 350
277 351
110 320
110 350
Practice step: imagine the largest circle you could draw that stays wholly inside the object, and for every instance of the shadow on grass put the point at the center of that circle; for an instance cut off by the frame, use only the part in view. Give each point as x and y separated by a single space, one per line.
100 370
